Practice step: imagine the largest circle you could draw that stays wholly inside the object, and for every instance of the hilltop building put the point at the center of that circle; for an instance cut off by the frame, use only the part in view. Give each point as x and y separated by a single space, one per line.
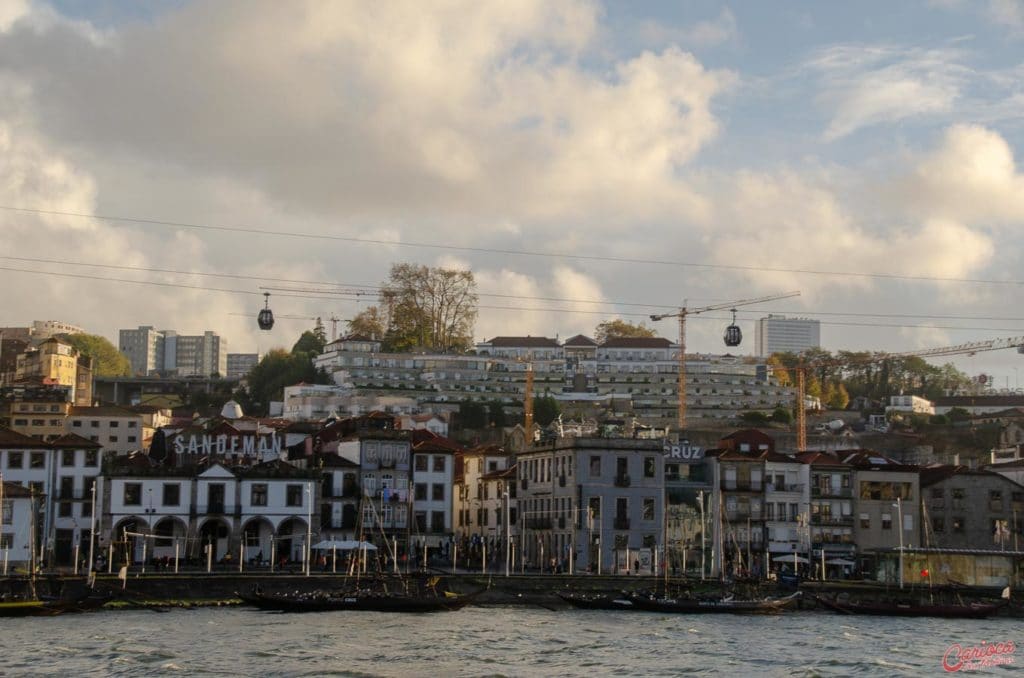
777 334
166 352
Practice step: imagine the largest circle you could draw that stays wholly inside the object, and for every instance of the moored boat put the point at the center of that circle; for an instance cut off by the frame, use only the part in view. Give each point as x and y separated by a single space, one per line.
588 601
360 601
896 608
727 605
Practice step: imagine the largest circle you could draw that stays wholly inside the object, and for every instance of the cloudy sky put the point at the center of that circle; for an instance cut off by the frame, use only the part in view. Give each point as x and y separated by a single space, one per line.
596 160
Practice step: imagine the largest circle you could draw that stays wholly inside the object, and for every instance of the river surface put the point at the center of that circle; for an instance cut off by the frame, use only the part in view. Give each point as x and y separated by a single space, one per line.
502 641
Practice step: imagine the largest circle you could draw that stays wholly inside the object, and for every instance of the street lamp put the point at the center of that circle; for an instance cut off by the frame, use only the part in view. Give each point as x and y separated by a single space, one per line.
899 516
508 535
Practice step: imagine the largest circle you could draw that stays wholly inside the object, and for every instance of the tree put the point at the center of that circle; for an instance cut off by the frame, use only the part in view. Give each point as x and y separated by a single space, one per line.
782 415
107 361
309 342
496 414
279 368
429 308
958 414
621 328
839 399
472 415
369 323
545 410
755 417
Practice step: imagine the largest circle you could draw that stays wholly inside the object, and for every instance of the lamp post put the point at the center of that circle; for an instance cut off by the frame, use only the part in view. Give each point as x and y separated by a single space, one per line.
899 517
309 525
508 534
92 530
703 532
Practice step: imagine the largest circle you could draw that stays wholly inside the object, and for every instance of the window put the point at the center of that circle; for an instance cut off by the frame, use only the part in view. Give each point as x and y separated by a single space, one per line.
437 491
649 467
64 509
94 424
769 511
132 439
15 459
113 439
437 521
67 458
293 495
258 494
648 513
172 494
421 492
886 521
21 422
132 494
77 423
995 500
421 462
439 464
865 521
39 422
114 424
92 457
938 524
133 424
8 512
6 541
595 508
595 466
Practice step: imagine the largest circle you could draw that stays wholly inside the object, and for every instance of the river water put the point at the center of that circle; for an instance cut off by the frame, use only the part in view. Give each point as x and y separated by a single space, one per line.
487 641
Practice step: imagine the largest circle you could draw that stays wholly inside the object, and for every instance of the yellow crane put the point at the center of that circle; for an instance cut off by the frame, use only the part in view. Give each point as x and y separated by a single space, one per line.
682 314
969 348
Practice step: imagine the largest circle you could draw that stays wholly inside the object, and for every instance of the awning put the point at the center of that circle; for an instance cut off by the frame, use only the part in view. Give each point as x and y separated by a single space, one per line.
791 558
344 545
840 561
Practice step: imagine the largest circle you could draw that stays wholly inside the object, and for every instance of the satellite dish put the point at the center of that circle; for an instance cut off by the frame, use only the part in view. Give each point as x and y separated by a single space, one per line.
266 317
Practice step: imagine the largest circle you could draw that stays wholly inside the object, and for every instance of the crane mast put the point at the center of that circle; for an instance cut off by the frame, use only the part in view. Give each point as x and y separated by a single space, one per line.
681 315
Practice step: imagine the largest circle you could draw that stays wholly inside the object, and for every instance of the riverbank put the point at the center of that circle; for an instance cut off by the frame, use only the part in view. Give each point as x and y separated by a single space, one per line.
195 589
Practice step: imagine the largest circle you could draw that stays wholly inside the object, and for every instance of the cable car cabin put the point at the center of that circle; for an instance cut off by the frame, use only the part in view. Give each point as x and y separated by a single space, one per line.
265 319
733 335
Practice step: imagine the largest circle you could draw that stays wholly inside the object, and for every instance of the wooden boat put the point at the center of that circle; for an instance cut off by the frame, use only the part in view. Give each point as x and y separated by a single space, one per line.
588 601
897 608
727 605
360 601
42 607
21 608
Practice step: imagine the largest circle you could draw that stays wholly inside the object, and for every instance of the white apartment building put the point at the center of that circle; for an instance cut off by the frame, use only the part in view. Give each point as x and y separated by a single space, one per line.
640 371
62 473
15 526
777 333
144 348
433 474
910 404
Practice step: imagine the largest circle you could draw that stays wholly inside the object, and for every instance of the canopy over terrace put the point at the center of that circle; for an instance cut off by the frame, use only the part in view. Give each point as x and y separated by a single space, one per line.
344 545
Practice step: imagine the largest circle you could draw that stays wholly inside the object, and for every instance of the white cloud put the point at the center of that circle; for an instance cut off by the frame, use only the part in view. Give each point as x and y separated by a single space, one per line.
864 85
722 29
971 177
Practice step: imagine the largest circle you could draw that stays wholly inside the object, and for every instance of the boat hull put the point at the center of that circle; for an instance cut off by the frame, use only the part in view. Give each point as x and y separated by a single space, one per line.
723 606
354 603
585 602
971 611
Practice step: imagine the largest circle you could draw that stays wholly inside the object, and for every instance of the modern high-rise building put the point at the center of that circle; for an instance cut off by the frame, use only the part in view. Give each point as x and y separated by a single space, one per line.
777 333
240 364
167 352
144 348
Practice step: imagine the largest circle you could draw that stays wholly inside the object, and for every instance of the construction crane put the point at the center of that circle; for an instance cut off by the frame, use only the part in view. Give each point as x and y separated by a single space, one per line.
969 349
682 314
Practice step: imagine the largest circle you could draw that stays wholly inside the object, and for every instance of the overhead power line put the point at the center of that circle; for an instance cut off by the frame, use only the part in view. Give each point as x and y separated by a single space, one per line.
506 251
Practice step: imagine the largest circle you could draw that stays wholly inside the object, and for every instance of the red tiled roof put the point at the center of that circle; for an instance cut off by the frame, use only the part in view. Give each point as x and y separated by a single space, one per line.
526 342
12 439
580 340
75 441
637 342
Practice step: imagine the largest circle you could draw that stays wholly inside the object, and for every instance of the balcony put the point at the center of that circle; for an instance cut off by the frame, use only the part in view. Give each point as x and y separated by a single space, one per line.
622 480
842 492
791 487
538 523
621 523
832 520
740 515
742 486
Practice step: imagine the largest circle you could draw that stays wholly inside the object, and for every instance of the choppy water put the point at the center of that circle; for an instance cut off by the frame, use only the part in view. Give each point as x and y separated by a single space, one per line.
485 642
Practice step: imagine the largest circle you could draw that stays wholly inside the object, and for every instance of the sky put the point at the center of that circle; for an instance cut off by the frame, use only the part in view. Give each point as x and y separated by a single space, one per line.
164 163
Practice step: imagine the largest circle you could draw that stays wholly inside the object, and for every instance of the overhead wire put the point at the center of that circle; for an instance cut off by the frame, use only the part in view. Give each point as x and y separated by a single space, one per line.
504 251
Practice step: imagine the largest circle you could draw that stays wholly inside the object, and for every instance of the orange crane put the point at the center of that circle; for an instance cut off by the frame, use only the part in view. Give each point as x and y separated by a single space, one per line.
682 314
969 348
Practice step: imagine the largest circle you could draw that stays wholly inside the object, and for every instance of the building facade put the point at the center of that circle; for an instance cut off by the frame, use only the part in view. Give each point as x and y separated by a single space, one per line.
777 334
167 352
